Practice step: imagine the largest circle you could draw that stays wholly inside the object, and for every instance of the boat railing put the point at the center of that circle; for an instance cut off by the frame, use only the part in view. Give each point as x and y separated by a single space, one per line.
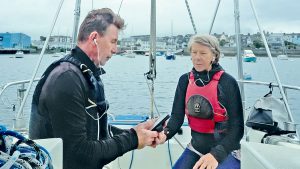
271 85
285 87
20 90
288 125
21 82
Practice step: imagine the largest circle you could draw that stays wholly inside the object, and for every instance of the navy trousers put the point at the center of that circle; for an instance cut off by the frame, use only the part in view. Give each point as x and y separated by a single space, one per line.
188 159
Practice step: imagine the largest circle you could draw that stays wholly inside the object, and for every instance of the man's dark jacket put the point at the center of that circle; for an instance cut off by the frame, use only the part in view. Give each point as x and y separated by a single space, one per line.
61 113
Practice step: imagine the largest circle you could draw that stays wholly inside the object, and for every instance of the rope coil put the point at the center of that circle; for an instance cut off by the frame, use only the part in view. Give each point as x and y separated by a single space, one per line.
22 153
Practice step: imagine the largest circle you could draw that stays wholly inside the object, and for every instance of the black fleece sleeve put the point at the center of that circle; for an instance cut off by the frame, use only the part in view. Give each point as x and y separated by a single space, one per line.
229 96
177 115
67 113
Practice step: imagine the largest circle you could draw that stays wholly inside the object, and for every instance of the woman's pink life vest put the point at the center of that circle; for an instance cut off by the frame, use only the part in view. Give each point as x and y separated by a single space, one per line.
209 92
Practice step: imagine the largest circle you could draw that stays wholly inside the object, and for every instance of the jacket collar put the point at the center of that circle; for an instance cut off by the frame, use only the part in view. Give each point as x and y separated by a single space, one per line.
205 75
83 58
216 67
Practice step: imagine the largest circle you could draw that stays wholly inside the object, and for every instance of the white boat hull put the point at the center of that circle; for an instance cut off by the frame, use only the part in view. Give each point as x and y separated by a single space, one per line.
150 158
55 147
254 155
266 156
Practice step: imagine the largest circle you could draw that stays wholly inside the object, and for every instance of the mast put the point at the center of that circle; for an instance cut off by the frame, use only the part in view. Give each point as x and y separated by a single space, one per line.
76 22
238 54
283 45
151 75
172 35
238 49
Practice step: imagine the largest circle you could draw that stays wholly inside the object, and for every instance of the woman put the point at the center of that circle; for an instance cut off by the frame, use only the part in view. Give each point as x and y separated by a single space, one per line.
210 98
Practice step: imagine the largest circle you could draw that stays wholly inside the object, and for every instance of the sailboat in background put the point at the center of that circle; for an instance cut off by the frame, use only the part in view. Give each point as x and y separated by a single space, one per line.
129 53
170 55
284 55
61 54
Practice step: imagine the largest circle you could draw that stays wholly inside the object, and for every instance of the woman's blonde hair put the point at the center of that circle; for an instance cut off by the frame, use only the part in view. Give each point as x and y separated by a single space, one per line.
206 40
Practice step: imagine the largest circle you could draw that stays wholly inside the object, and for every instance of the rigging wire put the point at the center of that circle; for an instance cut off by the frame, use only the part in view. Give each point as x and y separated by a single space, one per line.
190 14
274 67
20 111
6 102
158 113
214 17
120 7
131 161
174 137
170 155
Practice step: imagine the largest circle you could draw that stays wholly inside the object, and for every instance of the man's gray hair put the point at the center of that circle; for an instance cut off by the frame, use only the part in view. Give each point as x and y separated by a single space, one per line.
98 20
206 40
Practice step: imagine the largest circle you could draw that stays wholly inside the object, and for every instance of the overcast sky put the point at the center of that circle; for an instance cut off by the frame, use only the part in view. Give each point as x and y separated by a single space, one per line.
34 17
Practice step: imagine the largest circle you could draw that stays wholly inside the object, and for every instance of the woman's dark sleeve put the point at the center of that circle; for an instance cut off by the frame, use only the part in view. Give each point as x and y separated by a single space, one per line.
66 106
230 97
177 115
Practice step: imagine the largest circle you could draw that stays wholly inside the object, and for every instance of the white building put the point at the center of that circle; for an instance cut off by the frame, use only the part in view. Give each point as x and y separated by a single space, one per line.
60 42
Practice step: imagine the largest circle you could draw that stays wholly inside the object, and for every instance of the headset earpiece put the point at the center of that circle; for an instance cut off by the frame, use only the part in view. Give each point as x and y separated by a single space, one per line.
213 60
95 41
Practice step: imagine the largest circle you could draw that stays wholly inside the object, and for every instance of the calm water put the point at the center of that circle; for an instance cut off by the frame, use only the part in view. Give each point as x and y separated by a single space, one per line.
126 86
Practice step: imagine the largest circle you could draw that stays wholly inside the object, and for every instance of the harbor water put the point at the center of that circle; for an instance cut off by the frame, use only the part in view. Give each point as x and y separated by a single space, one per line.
127 88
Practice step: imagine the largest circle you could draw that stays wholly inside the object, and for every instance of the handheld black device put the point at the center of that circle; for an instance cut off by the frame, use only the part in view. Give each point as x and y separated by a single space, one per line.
158 125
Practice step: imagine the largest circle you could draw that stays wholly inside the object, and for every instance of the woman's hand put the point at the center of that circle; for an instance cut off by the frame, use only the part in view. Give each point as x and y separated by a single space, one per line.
207 161
161 139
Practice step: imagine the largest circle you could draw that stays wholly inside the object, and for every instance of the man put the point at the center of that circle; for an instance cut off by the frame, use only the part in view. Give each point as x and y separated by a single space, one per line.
69 101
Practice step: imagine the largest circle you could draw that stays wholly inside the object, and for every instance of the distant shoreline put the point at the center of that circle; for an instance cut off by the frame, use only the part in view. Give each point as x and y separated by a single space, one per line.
231 51
227 51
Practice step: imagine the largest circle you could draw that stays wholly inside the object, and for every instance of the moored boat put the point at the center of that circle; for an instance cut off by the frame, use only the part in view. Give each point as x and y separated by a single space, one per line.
19 54
283 57
248 56
170 56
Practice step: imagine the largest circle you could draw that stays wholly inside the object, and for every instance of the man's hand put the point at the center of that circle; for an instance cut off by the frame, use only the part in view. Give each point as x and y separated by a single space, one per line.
145 136
161 139
206 161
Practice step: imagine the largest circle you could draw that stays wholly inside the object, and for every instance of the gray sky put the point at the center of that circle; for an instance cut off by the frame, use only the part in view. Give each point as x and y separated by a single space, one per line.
34 17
